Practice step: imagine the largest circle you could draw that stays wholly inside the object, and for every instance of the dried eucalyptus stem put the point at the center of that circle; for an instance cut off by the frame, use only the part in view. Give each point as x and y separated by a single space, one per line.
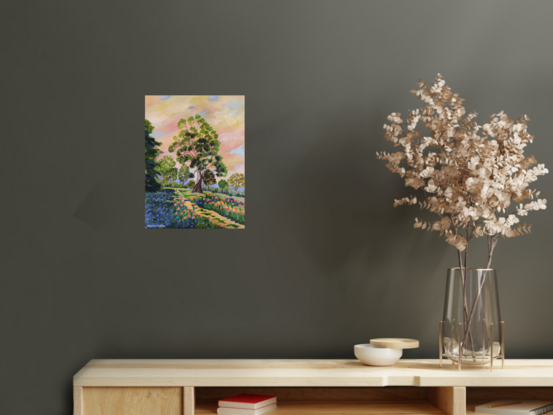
475 178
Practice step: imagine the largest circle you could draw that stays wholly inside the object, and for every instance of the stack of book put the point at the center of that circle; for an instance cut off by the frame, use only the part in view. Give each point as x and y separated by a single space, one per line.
515 407
247 404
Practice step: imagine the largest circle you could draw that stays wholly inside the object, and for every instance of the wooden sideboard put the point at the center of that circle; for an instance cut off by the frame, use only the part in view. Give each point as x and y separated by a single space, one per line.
187 387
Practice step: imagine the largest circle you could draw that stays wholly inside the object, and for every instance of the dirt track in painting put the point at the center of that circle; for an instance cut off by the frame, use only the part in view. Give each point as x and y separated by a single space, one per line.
214 216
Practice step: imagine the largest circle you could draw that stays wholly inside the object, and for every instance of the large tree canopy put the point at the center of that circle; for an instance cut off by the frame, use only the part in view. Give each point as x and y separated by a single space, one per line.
151 165
197 146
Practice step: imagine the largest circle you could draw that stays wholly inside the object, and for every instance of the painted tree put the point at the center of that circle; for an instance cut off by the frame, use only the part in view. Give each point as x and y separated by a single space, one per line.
184 173
173 174
167 169
197 146
223 184
191 184
151 153
237 180
209 178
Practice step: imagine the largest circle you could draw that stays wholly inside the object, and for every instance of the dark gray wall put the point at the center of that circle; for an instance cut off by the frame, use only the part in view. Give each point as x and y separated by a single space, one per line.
325 261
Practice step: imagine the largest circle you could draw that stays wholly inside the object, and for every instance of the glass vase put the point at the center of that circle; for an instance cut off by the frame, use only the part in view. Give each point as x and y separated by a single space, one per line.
471 332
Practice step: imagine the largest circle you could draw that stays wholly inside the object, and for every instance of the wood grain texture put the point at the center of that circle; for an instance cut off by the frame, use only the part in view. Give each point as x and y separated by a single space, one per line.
298 373
189 400
470 409
212 395
450 400
77 400
420 408
132 401
482 395
395 343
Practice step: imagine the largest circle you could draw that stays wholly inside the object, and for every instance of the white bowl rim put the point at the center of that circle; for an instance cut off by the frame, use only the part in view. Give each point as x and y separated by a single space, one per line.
374 351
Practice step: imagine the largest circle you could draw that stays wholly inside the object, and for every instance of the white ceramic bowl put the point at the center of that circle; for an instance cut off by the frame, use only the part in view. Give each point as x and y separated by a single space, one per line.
376 356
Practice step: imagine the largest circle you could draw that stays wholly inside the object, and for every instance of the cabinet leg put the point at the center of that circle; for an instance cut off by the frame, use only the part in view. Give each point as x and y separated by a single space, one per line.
451 400
189 400
77 400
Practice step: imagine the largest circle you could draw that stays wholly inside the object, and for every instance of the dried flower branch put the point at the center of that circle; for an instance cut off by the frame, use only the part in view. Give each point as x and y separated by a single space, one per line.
475 178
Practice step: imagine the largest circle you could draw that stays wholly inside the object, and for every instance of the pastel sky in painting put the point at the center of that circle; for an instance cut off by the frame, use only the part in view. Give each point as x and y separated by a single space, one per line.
225 113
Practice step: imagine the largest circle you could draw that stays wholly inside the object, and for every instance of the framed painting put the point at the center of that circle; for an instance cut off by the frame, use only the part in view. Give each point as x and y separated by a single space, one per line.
195 162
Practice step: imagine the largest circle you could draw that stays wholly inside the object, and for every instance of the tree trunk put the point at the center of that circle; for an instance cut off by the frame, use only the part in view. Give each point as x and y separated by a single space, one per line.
198 186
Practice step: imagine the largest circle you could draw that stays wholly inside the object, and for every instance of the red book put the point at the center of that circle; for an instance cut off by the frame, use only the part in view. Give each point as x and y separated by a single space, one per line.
247 401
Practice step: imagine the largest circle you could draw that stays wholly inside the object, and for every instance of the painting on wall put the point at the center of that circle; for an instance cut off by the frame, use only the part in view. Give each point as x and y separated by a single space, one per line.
195 154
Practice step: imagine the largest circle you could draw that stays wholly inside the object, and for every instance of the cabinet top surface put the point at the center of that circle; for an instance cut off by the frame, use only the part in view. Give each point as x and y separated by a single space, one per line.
305 373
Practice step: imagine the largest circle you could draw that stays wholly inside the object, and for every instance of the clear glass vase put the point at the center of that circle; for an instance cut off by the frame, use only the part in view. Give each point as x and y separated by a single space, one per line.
471 331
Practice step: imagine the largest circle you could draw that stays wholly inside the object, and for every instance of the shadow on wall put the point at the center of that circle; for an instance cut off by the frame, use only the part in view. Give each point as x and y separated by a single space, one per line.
343 202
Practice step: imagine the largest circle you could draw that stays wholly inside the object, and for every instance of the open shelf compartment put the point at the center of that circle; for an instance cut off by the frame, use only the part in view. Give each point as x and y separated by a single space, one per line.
479 396
361 400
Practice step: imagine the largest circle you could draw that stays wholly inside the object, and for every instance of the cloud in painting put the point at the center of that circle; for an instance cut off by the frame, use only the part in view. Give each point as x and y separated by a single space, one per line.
233 104
233 113
213 98
166 96
238 150
191 107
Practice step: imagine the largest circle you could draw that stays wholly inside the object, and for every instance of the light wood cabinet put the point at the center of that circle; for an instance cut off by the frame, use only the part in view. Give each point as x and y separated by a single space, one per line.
132 401
177 387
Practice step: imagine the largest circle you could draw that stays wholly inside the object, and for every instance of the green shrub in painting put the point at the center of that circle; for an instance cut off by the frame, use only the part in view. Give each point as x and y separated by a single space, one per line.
209 178
237 180
152 185
232 192
183 174
167 169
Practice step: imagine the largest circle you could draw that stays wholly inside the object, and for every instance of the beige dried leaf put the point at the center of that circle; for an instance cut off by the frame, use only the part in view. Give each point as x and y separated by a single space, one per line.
476 177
